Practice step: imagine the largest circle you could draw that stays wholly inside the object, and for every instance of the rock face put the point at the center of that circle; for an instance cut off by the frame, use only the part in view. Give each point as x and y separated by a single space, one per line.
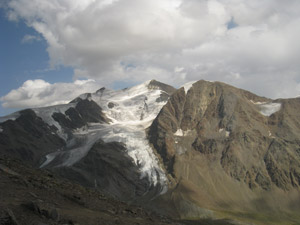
28 137
84 112
226 148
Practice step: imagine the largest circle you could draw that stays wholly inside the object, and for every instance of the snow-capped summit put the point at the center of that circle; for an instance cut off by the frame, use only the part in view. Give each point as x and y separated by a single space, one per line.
135 105
130 111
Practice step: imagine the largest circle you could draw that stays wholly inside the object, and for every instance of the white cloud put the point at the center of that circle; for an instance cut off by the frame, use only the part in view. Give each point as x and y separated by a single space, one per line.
37 93
137 40
30 38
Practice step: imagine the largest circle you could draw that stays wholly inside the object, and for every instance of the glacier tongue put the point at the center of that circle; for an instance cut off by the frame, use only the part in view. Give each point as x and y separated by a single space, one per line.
132 111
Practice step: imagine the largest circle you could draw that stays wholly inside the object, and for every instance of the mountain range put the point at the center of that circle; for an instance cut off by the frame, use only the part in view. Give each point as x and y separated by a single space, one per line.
205 150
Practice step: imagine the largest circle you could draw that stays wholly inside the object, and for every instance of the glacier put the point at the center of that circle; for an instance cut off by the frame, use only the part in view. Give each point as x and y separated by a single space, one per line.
131 111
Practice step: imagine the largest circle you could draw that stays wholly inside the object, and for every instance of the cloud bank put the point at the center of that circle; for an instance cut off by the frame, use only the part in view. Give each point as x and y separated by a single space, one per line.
38 93
251 44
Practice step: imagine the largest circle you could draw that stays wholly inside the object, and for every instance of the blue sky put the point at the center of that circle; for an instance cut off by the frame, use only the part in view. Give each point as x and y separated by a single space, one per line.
23 61
253 45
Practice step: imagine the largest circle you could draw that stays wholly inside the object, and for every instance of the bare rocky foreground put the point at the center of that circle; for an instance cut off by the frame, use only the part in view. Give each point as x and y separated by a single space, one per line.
37 197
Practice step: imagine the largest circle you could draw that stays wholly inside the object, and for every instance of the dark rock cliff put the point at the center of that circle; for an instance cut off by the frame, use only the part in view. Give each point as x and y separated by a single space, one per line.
28 137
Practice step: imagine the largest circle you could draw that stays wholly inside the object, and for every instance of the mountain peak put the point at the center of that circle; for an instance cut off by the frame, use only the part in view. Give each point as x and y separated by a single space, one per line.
215 138
164 87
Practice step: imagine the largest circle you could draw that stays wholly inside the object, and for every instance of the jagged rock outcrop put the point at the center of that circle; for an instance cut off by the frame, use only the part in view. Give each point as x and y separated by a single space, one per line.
229 147
85 111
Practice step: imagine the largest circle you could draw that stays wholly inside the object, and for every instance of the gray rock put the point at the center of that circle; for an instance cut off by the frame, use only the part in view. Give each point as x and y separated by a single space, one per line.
44 209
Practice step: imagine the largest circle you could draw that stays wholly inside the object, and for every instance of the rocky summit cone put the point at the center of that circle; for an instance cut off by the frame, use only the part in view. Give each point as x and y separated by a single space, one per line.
231 152
205 150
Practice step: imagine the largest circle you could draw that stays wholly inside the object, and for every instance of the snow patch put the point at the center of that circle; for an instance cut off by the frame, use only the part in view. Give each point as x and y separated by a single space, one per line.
188 85
257 103
49 158
227 133
270 108
267 109
179 132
